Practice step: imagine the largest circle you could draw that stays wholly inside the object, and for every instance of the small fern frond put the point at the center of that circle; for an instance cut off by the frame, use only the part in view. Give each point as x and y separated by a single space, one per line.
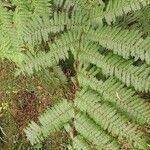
94 134
96 16
22 15
109 118
51 121
31 27
125 99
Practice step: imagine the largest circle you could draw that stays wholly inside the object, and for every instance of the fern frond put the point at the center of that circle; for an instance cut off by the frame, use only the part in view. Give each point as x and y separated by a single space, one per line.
42 8
34 26
79 143
139 20
125 99
114 65
77 5
10 44
58 51
109 118
96 15
5 16
144 19
123 42
94 134
51 121
22 15
115 8
54 77
36 62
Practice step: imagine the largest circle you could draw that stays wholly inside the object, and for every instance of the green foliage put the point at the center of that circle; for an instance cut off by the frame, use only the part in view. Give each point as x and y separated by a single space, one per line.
114 65
54 78
58 51
10 47
123 98
105 115
115 8
51 121
123 42
139 20
80 143
94 134
109 42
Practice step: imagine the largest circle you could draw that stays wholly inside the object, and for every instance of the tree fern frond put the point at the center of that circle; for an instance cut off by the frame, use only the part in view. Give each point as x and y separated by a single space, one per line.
109 119
115 8
114 65
52 120
125 99
94 134
123 42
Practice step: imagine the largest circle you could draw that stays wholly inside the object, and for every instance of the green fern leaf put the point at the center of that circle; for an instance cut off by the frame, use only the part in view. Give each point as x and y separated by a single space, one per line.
94 134
115 8
125 99
79 143
123 42
58 51
114 65
109 118
52 120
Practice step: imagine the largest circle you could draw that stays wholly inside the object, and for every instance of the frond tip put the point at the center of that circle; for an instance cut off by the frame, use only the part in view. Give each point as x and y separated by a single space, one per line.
51 121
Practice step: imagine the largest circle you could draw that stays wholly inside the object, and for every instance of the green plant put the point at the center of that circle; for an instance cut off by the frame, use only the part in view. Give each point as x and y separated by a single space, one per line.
109 41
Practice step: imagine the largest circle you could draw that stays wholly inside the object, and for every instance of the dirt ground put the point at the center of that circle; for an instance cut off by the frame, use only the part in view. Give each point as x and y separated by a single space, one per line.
21 100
